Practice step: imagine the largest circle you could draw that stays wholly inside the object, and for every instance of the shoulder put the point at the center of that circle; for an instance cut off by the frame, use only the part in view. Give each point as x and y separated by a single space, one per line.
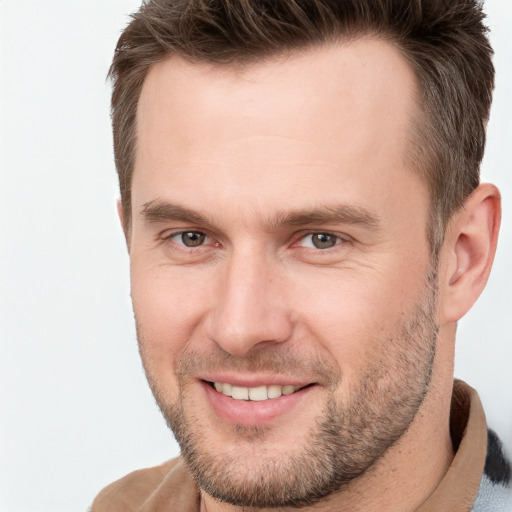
131 492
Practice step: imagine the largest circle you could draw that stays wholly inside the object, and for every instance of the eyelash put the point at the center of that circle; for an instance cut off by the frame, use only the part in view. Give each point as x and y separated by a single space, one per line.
339 240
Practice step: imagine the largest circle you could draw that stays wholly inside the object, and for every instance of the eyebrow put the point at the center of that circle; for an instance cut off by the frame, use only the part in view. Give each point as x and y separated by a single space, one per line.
332 214
157 211
160 211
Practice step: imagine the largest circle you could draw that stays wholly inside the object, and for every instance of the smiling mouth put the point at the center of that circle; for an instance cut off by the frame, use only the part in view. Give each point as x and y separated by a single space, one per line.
256 394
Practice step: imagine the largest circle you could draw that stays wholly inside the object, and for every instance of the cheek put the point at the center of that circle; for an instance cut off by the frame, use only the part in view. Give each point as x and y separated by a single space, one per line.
168 309
354 317
346 325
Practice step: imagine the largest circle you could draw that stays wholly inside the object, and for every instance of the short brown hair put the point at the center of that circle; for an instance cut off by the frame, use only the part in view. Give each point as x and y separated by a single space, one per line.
445 42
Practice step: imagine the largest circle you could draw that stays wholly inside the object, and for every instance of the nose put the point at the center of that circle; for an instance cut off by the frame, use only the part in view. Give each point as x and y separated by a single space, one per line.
251 307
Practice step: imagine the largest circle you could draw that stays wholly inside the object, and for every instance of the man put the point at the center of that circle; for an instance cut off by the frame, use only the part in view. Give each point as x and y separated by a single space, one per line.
301 201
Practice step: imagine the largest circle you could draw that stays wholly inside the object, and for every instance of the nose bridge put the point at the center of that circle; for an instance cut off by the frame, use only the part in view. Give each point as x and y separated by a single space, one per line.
250 305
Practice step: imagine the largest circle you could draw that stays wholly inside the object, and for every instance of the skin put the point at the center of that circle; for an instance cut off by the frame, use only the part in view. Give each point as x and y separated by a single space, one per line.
237 150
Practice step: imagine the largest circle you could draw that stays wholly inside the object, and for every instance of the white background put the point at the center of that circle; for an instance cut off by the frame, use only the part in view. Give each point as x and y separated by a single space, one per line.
75 410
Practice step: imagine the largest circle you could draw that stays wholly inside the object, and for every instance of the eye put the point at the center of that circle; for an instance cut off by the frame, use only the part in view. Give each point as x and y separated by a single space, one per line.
190 238
320 241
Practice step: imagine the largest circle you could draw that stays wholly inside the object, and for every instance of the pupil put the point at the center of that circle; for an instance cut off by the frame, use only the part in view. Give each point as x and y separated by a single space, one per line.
323 241
192 239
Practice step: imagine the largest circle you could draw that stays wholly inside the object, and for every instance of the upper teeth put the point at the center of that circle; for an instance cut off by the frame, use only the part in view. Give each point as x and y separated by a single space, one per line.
257 394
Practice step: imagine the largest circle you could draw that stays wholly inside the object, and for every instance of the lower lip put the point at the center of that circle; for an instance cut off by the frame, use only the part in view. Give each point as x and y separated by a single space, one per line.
252 413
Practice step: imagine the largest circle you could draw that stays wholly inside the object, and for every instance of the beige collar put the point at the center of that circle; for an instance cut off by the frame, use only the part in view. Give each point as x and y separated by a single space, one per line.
458 489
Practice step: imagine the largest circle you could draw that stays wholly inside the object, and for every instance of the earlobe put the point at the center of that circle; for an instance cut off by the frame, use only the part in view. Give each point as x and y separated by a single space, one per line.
469 250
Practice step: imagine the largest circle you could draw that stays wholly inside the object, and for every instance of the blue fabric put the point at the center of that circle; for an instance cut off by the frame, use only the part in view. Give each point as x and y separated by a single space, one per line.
493 497
495 493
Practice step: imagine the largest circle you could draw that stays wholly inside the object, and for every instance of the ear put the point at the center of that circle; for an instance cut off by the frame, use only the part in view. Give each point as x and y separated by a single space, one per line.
468 252
120 214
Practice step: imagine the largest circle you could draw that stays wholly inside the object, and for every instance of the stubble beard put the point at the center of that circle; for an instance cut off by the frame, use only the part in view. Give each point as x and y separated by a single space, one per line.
347 439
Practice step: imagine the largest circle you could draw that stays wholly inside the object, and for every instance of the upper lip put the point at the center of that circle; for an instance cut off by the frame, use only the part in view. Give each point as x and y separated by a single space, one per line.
254 381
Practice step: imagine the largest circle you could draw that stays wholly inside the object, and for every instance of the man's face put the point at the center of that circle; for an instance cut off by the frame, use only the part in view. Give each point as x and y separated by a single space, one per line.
279 255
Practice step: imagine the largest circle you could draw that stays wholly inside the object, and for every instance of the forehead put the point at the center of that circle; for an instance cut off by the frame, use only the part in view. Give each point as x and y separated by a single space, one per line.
352 78
311 118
